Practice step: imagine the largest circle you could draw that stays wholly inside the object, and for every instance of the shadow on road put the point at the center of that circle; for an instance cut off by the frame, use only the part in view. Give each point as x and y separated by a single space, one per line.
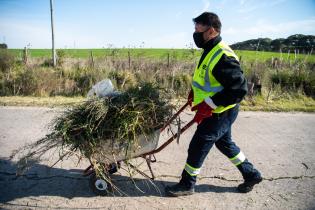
42 180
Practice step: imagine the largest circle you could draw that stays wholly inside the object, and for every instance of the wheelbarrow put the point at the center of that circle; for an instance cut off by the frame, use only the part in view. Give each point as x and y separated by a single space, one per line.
111 159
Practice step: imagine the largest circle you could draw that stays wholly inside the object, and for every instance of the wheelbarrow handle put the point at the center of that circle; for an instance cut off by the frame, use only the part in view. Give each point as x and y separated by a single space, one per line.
174 116
188 125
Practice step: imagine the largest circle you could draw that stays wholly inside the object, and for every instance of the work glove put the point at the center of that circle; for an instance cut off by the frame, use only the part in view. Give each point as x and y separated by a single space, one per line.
203 109
190 97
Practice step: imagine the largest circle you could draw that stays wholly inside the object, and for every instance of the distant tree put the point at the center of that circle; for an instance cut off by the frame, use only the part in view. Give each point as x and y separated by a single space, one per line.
277 44
3 46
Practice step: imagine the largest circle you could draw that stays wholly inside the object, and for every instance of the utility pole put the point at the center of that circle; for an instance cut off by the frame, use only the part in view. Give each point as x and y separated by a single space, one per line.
52 33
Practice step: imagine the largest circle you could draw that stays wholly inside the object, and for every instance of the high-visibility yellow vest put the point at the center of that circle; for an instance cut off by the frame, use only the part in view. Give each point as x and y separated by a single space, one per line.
204 84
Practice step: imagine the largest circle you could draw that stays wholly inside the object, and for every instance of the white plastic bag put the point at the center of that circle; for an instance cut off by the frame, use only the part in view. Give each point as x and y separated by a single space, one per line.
102 89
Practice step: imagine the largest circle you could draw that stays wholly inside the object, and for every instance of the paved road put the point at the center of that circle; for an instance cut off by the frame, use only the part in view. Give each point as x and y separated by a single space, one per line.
281 145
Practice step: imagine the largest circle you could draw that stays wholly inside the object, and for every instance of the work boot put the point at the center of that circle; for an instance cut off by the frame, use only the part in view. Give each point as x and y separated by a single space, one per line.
248 185
179 190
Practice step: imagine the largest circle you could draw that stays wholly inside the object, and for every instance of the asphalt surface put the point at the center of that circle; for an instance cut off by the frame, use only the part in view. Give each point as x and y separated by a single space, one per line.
280 145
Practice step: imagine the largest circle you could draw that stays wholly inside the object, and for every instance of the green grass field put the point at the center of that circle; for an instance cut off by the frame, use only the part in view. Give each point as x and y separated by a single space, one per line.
137 52
178 54
264 56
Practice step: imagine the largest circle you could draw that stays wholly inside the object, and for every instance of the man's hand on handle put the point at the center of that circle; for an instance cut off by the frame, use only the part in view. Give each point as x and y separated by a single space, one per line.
203 111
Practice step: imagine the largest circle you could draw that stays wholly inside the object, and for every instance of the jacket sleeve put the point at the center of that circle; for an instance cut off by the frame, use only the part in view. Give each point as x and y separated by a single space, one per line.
229 73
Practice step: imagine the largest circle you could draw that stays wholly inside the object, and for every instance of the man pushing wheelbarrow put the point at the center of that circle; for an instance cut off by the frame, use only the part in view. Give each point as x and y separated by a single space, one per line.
218 86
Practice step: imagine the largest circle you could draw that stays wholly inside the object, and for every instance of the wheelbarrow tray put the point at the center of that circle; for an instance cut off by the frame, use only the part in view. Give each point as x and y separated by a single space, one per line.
109 151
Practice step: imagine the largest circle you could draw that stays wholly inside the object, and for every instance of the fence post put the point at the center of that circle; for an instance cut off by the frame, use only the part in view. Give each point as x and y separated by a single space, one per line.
168 60
92 59
129 60
25 55
288 54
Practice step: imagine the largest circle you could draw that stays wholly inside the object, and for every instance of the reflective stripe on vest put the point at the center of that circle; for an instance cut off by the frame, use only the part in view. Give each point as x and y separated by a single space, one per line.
204 83
238 159
191 170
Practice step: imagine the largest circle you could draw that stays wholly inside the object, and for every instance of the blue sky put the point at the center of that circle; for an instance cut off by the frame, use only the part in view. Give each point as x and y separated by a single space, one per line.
140 23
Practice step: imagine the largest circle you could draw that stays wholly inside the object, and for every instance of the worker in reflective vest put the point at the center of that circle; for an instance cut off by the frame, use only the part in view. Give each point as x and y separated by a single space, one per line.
218 86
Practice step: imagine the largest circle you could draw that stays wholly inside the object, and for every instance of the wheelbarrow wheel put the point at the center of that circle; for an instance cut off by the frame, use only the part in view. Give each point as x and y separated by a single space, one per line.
100 186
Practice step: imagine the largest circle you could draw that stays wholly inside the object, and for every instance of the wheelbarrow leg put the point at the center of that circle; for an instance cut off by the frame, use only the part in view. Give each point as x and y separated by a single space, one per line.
149 161
140 172
88 171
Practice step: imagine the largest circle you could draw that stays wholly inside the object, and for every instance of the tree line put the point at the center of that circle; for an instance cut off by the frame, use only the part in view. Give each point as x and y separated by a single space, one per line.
296 43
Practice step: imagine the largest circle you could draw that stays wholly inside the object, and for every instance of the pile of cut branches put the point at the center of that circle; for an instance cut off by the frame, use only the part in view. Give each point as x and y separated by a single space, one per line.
111 121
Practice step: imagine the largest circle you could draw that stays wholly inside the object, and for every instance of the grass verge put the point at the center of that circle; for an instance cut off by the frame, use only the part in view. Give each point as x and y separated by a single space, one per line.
258 103
39 101
290 104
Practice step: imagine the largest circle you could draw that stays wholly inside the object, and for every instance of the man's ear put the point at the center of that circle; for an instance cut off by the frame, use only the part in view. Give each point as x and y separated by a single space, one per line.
212 32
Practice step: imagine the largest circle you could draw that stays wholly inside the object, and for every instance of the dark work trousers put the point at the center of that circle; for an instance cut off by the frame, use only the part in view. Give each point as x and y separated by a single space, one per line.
215 130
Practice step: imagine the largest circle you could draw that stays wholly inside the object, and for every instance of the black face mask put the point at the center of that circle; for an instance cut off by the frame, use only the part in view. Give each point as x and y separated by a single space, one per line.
198 39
